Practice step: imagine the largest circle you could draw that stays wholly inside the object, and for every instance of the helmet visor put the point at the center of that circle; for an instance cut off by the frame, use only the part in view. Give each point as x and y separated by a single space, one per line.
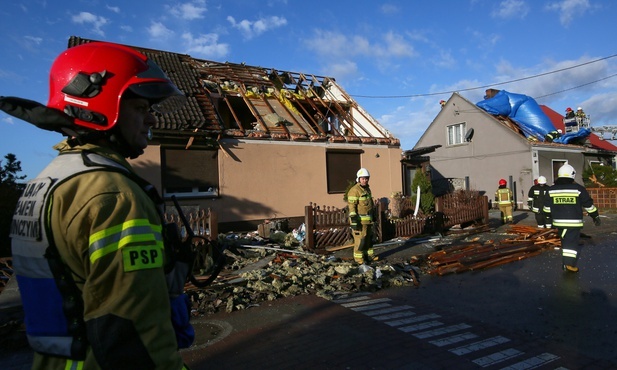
157 88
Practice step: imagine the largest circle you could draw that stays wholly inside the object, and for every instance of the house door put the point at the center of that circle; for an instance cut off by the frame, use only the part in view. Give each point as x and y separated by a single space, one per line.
556 164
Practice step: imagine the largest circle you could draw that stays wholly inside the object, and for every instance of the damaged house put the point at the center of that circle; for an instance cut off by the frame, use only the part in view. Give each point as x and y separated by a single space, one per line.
256 143
478 144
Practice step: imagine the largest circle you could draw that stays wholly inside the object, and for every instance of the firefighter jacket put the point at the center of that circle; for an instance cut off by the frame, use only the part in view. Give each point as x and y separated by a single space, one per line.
361 204
503 196
105 304
565 202
535 199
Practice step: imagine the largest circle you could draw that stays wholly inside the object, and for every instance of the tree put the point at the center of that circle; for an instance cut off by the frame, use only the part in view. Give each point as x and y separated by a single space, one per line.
427 199
10 190
596 176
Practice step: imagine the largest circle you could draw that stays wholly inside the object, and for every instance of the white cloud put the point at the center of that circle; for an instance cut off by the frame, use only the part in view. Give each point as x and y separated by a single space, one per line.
90 19
205 46
33 40
389 9
8 119
189 11
568 9
342 70
157 30
114 9
511 9
252 29
336 45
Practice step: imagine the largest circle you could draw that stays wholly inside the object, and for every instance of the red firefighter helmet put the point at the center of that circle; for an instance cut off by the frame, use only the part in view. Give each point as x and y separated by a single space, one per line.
568 109
502 182
88 81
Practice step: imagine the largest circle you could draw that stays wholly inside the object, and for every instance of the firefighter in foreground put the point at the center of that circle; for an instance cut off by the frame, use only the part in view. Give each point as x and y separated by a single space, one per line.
565 201
97 288
361 207
535 201
505 201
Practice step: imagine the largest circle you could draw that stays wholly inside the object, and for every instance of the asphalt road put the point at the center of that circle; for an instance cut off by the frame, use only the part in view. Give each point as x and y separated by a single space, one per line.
534 297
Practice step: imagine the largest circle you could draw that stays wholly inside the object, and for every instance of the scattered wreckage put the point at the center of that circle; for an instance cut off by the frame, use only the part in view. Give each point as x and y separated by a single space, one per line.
258 270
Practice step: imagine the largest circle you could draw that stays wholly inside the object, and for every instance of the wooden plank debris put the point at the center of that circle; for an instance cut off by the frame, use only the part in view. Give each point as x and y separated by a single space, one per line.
469 256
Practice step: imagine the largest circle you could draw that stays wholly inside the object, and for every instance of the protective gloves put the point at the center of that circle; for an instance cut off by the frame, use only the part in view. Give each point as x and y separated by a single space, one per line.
596 221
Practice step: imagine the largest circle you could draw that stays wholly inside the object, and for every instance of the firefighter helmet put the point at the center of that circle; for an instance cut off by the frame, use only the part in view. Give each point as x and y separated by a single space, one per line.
566 171
362 172
579 108
568 109
502 182
87 82
541 180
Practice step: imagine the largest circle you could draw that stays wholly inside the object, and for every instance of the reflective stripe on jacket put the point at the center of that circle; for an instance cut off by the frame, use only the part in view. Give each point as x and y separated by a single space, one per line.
360 202
565 203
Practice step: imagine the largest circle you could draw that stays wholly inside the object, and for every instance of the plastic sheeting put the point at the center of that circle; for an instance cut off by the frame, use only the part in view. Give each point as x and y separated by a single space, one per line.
573 137
523 110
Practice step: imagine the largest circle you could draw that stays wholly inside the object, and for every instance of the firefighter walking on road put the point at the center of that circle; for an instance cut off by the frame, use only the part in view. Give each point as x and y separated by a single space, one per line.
565 201
505 201
361 209
535 201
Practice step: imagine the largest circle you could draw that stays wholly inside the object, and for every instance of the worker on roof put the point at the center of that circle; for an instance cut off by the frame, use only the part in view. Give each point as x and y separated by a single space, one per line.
569 113
442 103
361 209
565 201
580 113
100 287
505 201
535 201
551 136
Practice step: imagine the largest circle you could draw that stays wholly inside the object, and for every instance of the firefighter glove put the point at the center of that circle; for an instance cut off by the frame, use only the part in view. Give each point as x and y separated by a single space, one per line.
596 221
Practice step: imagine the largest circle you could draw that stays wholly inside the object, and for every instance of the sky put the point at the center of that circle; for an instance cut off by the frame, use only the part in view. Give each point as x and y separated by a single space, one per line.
397 59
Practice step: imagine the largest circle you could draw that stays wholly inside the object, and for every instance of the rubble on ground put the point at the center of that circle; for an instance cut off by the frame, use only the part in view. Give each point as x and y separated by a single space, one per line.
258 269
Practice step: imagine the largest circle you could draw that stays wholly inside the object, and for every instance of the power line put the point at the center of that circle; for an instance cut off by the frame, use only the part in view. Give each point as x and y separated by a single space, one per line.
576 87
495 84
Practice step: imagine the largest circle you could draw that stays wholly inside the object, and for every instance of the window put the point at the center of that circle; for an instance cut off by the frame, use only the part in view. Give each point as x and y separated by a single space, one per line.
341 168
557 163
456 134
190 172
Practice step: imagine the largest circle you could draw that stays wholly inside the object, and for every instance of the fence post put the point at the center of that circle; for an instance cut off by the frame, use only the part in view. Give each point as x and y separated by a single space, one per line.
309 223
485 209
213 225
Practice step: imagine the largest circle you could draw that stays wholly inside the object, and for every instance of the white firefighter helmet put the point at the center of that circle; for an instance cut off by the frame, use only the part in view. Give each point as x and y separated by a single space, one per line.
362 172
566 171
541 180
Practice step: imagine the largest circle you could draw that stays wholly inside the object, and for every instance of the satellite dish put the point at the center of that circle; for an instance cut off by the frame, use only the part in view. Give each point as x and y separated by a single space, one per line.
469 135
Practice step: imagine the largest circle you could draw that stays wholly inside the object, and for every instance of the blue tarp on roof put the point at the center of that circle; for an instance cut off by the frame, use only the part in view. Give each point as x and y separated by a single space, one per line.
523 110
573 136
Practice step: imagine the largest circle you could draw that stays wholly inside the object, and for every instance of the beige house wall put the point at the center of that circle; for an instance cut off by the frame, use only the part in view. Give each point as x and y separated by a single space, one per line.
272 179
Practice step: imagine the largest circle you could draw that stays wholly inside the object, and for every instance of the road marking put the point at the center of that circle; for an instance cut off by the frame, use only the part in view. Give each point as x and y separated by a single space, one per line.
425 327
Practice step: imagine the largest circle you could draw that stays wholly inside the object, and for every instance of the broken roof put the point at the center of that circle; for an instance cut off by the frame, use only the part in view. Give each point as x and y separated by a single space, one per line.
243 101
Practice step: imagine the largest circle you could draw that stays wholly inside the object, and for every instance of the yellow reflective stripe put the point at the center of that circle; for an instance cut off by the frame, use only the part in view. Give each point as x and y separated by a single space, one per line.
116 237
564 192
591 209
365 217
74 365
352 199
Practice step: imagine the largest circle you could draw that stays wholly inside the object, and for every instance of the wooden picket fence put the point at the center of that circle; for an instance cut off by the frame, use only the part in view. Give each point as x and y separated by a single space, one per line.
203 222
329 226
326 226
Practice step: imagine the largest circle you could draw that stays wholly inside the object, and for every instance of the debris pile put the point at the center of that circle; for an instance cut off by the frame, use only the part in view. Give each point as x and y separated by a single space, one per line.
259 274
474 255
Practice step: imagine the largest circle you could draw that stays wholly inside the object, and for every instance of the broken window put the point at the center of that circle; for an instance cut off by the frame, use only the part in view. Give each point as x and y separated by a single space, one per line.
190 172
341 168
456 134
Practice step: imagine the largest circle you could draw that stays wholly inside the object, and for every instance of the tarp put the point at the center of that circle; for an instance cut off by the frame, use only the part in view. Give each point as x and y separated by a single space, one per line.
572 137
523 110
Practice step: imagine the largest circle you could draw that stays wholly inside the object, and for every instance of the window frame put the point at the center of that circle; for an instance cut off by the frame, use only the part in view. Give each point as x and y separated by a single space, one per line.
451 136
208 158
341 167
